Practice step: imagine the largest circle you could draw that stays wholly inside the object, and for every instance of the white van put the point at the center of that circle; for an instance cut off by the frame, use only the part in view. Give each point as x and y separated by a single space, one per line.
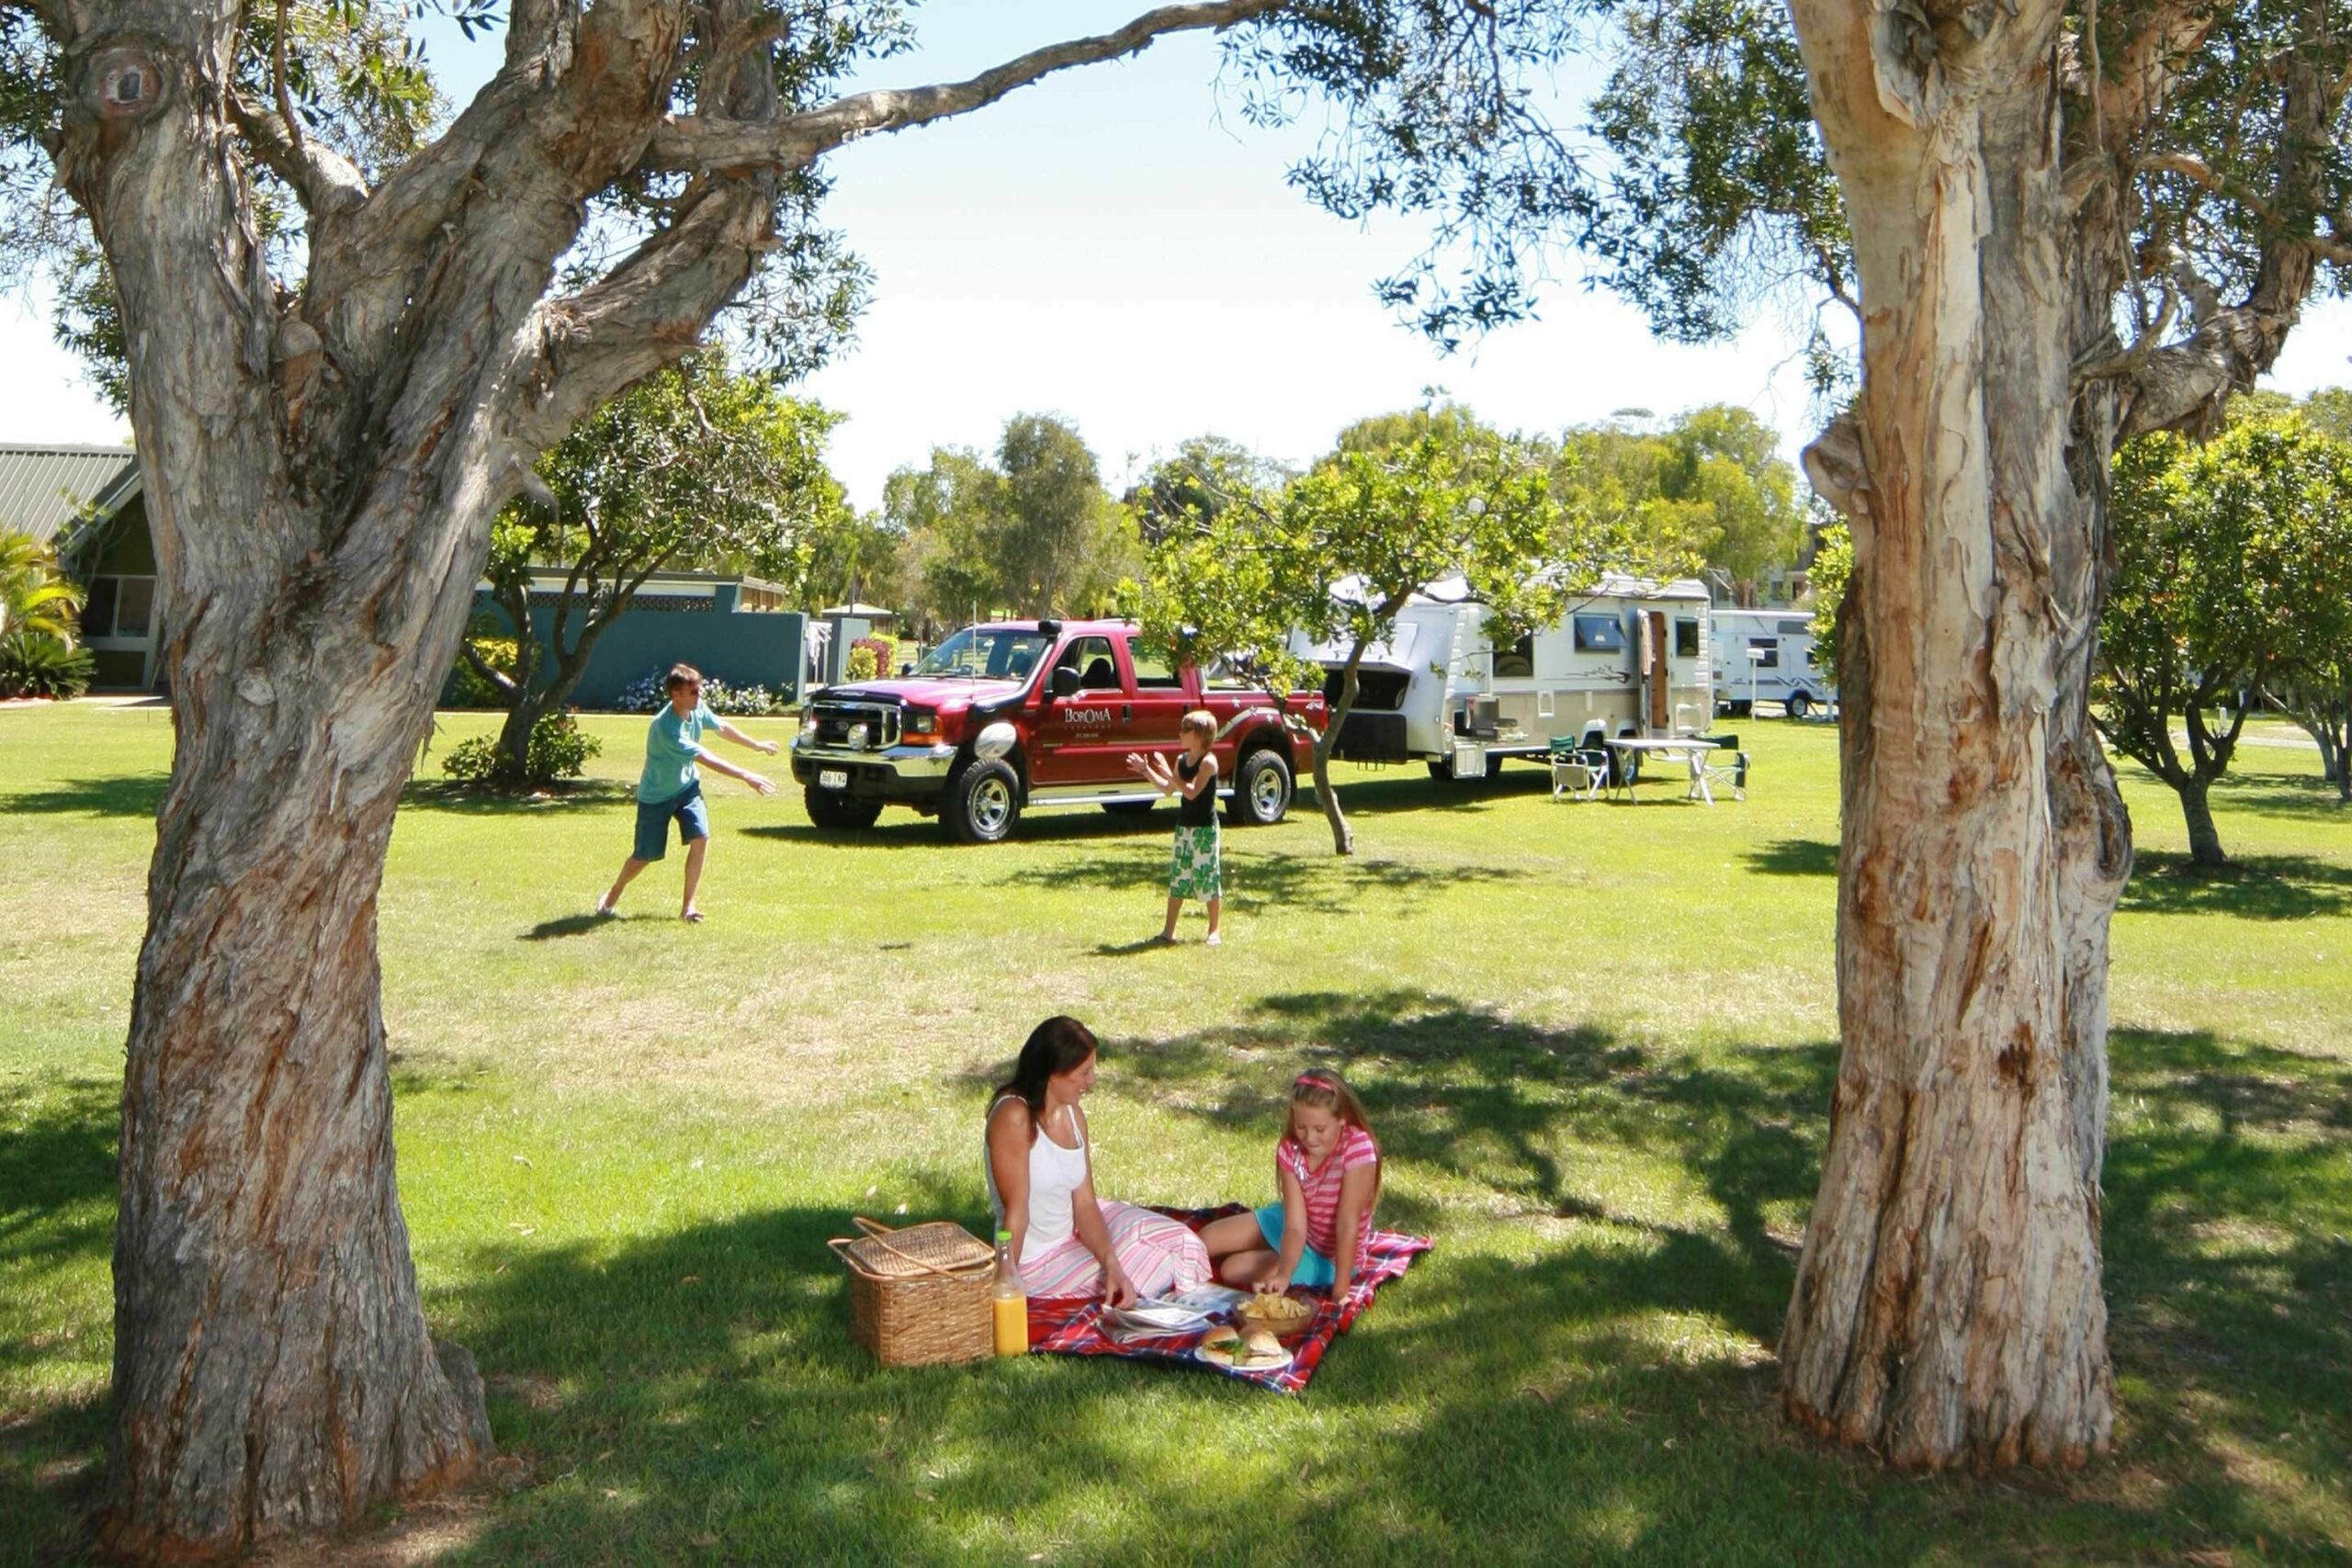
1767 656
1630 658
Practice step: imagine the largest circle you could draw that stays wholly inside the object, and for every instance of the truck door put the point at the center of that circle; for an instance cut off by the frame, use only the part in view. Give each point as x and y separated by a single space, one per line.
1080 738
1160 703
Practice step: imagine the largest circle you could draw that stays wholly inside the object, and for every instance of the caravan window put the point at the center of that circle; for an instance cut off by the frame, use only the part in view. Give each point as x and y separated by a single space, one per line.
1795 629
1519 658
1599 633
1771 650
1686 638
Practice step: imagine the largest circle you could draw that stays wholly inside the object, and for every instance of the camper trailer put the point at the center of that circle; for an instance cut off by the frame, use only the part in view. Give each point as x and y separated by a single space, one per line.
1767 656
1630 658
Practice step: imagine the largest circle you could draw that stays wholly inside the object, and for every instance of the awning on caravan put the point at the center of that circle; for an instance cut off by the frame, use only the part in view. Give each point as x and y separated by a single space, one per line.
1396 654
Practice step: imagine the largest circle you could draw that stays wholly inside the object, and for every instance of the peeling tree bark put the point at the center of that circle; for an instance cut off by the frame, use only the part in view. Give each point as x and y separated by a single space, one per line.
322 466
1947 1307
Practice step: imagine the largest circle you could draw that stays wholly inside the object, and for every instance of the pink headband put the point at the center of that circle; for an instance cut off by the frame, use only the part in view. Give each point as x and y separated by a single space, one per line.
1311 1078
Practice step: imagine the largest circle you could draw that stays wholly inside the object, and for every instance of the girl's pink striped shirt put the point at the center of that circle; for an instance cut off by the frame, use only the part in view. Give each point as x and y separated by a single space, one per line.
1321 1187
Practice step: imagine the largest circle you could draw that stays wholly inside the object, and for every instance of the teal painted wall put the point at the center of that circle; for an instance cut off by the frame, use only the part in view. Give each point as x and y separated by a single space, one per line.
741 648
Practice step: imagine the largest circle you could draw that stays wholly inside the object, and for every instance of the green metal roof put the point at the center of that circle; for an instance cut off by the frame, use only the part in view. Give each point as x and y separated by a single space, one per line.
43 489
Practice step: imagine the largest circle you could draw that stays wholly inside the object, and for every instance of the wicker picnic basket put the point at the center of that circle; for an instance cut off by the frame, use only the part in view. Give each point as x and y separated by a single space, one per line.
919 1297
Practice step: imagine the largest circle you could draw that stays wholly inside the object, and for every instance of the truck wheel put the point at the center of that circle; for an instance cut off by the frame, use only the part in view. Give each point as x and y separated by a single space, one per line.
832 808
1261 790
983 803
1800 706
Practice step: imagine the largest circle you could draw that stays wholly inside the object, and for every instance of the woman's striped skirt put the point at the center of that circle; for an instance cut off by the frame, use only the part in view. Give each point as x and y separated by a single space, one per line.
1159 1256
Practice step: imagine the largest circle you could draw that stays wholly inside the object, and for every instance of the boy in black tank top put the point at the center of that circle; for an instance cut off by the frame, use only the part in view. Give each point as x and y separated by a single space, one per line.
1196 865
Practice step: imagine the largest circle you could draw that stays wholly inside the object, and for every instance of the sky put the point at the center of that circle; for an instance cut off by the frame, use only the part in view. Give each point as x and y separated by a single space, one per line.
1114 246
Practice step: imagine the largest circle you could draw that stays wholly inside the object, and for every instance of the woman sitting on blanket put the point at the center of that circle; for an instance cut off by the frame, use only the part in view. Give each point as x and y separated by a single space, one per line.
1041 1184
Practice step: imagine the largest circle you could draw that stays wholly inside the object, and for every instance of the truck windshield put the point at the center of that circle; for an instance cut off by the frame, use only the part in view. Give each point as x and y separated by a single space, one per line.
986 653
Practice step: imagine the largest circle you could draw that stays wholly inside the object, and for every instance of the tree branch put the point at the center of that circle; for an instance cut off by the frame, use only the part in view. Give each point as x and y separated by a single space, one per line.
325 181
703 141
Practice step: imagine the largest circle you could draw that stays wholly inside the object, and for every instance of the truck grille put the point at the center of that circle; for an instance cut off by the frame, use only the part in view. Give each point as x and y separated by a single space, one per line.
835 721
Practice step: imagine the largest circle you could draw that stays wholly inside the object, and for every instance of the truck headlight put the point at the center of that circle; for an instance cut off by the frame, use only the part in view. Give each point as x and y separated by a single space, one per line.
922 721
855 739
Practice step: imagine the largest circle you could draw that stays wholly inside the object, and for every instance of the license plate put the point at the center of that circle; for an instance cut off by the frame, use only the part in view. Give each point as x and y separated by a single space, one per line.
832 778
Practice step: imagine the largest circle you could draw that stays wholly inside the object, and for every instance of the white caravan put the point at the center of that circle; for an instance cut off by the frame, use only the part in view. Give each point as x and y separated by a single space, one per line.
1630 658
1767 656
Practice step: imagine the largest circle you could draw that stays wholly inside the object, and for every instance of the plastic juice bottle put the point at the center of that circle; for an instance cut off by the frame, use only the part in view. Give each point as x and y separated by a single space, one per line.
1011 1302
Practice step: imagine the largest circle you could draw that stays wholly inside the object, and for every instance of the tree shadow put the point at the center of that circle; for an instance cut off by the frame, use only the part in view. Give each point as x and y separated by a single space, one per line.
1310 883
129 795
2303 797
474 800
57 1167
2253 887
1794 857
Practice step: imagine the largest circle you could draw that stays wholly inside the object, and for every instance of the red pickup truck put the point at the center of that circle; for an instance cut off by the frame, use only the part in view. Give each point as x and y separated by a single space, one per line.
1015 716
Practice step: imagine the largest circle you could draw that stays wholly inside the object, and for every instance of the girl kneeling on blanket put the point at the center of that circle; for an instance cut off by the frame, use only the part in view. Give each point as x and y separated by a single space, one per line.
1066 1242
1327 1169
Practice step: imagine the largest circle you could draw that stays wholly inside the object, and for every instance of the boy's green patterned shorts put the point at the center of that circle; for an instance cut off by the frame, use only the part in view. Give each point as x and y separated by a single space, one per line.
1196 867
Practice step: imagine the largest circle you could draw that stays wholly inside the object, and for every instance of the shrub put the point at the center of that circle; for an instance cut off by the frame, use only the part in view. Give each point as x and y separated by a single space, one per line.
647 692
864 664
34 664
466 688
558 748
886 655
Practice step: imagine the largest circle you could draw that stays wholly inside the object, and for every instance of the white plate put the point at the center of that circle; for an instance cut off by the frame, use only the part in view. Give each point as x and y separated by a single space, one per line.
832 778
1219 1359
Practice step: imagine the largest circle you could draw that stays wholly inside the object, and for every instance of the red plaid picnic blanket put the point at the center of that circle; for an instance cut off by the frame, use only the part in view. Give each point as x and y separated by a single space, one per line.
1065 1325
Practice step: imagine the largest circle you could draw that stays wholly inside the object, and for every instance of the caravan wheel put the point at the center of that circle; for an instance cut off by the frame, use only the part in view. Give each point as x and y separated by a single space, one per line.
1799 707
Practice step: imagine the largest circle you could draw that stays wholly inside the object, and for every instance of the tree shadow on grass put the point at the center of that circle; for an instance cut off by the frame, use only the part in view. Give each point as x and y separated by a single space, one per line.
57 1167
2253 887
129 795
2303 797
1794 857
1286 883
472 800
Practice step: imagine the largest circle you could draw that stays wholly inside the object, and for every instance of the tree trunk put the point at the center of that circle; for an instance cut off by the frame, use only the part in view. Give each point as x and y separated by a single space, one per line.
2196 810
272 1366
1343 837
1948 1305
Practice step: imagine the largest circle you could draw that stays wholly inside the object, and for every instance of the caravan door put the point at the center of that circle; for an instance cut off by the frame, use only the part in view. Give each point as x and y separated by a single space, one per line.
1658 679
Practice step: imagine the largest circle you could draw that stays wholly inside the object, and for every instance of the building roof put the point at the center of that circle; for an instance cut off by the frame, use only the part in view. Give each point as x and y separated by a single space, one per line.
861 612
44 488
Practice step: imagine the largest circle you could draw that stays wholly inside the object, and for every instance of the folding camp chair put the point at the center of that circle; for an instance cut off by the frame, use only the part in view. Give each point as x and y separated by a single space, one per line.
1725 766
1577 771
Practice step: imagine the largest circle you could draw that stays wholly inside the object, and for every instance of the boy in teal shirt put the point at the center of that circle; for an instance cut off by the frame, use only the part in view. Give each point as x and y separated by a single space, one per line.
669 790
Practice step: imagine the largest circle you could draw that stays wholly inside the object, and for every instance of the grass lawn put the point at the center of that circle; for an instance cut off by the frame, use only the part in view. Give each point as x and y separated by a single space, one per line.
1597 1043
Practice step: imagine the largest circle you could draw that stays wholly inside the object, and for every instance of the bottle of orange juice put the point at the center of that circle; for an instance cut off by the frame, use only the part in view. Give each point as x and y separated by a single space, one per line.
1011 1302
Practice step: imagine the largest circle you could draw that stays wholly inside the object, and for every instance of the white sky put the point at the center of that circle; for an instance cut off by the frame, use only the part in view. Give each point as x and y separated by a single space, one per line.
1113 246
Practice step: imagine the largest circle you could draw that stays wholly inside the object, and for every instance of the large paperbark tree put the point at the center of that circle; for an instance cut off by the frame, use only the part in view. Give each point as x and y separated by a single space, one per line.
1995 162
2055 227
338 371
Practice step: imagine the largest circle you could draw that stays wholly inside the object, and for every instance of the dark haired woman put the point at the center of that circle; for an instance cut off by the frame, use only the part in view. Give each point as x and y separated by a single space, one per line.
1041 1184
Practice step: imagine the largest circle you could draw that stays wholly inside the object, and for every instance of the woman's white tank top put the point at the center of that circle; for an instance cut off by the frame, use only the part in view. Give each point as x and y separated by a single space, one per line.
1055 1173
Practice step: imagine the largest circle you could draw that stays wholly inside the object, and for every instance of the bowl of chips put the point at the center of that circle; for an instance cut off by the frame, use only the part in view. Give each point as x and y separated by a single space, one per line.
1281 1313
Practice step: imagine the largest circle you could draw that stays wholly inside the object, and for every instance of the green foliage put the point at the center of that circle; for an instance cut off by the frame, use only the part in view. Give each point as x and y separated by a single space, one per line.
1206 474
1339 550
34 596
2228 576
1709 487
1833 568
467 689
34 664
1033 533
558 748
862 665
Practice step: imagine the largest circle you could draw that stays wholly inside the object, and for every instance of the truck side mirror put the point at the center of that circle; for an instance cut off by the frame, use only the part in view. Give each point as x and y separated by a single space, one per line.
1063 681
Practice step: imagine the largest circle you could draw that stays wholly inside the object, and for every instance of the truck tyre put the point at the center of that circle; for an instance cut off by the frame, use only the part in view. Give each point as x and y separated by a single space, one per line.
1799 707
832 808
1261 790
983 803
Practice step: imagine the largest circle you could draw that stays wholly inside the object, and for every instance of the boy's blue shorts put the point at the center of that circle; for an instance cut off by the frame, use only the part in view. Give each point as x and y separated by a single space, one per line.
1314 1272
654 817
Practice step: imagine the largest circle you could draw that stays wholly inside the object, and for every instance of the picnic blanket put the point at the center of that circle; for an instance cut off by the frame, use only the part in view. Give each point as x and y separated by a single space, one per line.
1065 1325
